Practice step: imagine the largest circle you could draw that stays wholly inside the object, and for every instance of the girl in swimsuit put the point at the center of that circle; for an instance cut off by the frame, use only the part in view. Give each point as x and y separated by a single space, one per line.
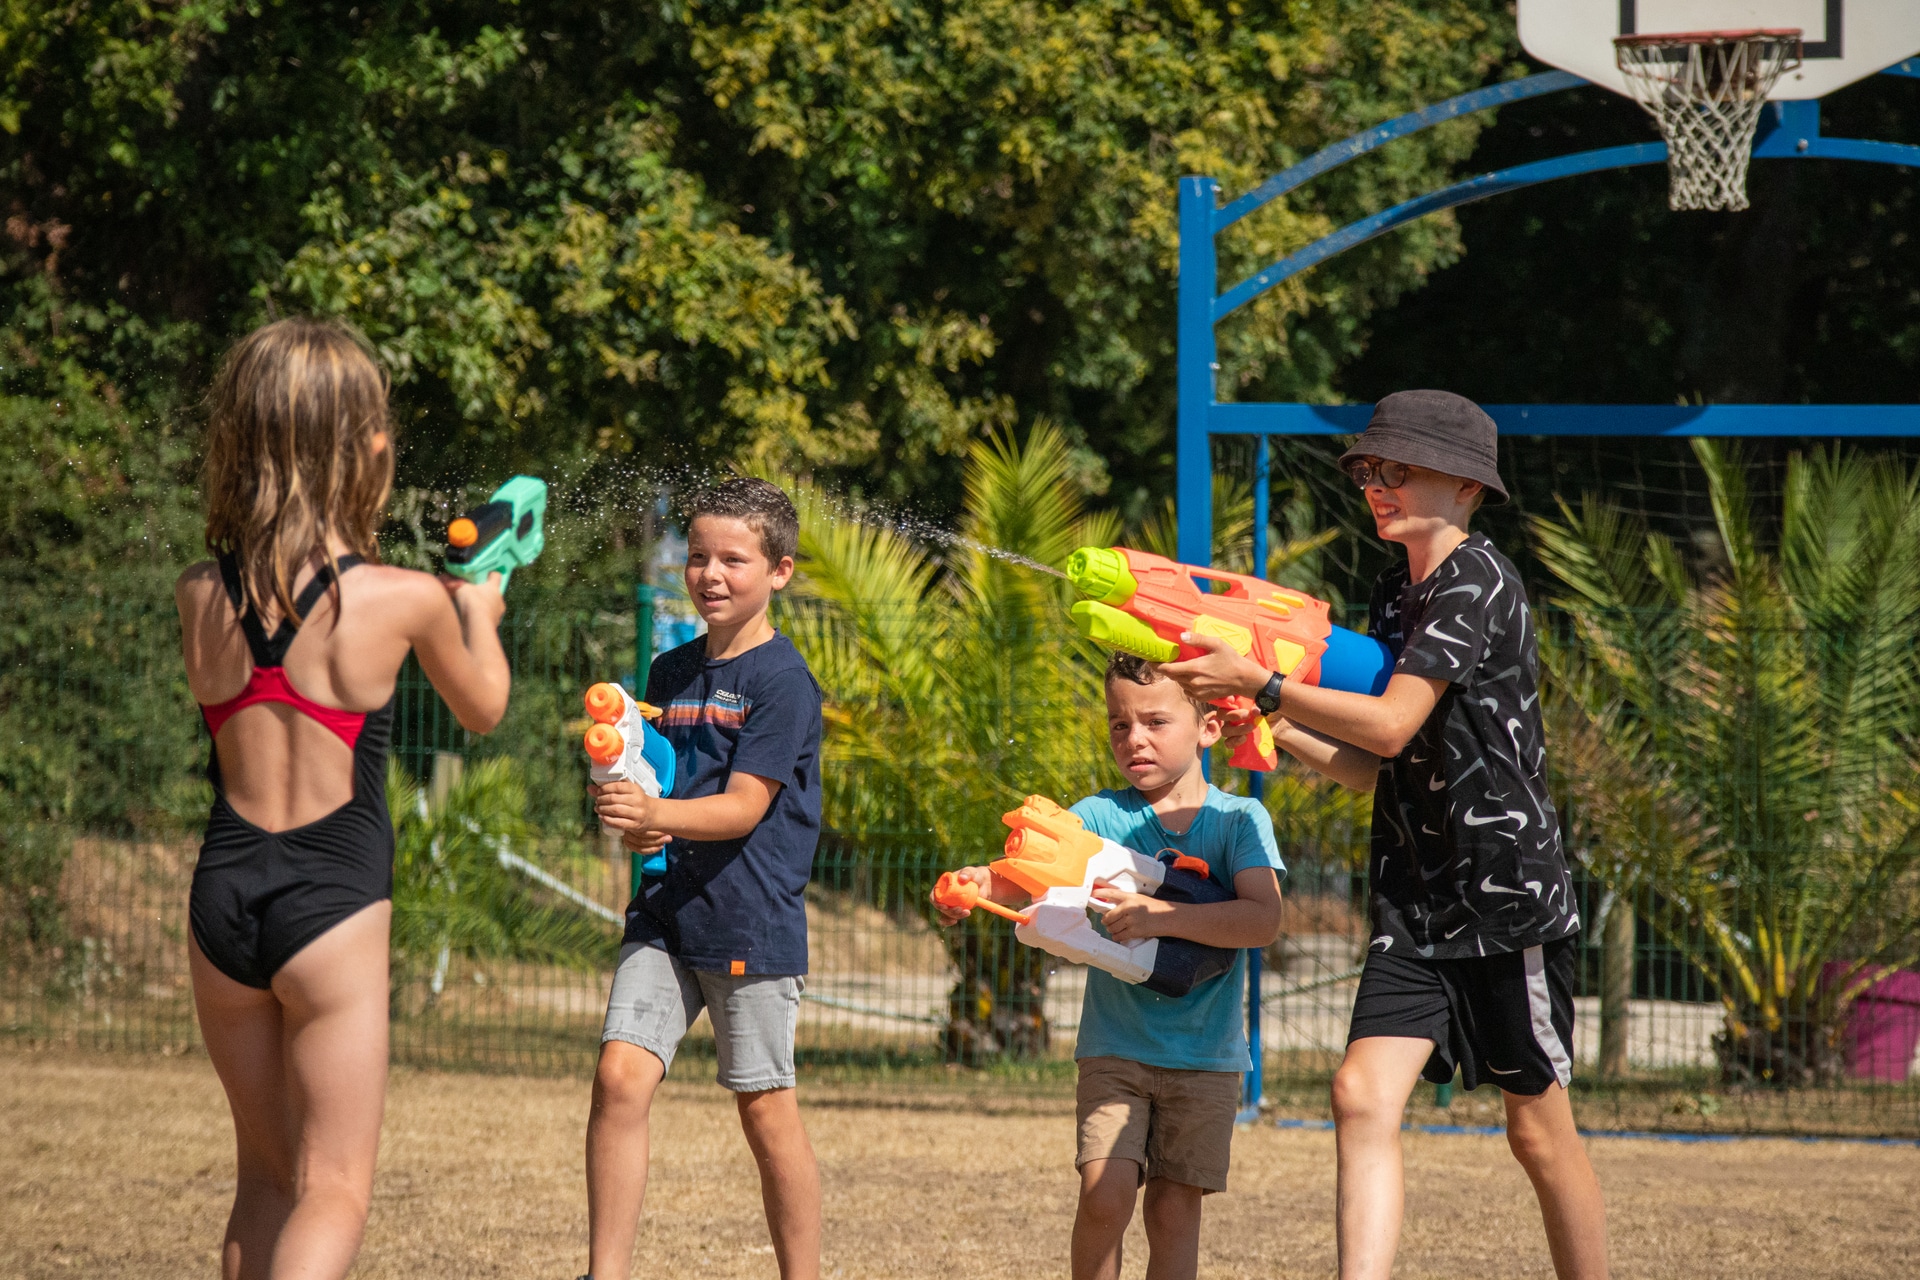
293 639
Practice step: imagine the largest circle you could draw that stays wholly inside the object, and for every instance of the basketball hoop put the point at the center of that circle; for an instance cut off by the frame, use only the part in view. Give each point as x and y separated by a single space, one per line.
1705 90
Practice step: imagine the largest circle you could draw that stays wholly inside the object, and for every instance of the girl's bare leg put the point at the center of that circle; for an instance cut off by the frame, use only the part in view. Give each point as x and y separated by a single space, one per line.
241 1026
305 1069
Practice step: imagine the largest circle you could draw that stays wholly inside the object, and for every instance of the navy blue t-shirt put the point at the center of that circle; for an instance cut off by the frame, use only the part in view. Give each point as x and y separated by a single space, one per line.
737 906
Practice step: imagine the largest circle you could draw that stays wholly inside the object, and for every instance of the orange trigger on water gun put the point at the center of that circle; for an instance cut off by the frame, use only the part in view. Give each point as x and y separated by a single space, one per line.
956 894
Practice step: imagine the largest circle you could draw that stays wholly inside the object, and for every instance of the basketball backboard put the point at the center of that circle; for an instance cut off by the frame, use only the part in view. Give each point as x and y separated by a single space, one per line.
1845 40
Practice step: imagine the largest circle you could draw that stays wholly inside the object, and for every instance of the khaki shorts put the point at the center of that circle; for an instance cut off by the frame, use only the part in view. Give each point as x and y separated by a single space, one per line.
1176 1125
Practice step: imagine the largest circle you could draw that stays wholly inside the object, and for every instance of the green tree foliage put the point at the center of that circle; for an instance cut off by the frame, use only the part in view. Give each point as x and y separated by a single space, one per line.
851 235
1008 168
1740 734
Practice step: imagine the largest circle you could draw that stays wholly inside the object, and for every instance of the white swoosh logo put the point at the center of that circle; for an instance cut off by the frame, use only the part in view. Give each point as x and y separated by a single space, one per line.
1497 1071
1488 886
1435 784
1475 820
1384 942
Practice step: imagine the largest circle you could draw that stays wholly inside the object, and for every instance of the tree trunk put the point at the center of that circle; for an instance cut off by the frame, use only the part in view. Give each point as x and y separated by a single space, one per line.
1616 984
997 1008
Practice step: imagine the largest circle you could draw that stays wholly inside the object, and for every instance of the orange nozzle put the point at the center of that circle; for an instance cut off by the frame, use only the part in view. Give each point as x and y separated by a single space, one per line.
1047 848
462 533
604 744
605 704
955 894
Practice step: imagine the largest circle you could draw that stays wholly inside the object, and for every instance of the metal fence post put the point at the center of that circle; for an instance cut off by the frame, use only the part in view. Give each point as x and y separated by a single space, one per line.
642 666
1193 479
1255 1090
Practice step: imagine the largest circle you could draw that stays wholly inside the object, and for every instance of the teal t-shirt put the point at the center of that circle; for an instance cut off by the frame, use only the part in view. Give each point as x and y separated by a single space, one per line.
1206 1029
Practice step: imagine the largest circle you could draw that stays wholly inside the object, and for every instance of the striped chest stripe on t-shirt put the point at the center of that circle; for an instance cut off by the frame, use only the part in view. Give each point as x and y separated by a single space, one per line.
728 713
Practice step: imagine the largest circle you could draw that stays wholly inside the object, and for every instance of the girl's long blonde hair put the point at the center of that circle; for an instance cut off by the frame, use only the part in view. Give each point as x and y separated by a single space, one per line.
290 457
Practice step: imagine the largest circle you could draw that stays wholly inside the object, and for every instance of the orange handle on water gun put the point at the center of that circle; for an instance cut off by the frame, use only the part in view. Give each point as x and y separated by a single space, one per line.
1256 750
955 894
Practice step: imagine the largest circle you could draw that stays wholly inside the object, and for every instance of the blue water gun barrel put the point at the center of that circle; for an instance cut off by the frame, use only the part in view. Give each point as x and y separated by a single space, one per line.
1355 663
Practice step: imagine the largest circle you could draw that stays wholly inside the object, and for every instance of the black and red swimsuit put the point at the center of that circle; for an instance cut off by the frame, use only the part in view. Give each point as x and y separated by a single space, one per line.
260 896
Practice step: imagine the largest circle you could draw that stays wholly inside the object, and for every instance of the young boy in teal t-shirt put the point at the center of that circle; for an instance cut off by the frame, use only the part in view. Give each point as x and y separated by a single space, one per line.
1160 1076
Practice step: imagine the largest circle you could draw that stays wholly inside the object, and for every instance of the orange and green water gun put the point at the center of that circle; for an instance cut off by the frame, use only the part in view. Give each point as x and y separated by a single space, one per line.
1140 603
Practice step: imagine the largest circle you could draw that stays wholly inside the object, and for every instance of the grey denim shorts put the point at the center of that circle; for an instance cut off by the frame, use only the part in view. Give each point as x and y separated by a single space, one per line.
656 998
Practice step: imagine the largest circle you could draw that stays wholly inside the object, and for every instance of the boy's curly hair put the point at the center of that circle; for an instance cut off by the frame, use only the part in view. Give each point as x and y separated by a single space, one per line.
1136 670
765 507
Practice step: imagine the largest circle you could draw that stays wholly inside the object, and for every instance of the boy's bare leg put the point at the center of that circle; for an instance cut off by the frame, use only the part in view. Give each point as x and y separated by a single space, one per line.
1107 1191
617 1152
789 1178
1540 1131
1172 1215
1370 1092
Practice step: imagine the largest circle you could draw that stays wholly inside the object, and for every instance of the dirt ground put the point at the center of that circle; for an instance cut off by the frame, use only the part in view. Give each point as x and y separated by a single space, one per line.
123 1168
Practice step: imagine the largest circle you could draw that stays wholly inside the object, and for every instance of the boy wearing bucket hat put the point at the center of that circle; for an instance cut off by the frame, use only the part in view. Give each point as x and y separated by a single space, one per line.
1470 966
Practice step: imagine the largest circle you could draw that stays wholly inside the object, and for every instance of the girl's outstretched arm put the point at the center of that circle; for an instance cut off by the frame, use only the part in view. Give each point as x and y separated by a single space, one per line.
456 636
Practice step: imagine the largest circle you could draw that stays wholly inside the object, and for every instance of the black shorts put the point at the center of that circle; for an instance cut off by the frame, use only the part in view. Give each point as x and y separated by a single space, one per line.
1505 1019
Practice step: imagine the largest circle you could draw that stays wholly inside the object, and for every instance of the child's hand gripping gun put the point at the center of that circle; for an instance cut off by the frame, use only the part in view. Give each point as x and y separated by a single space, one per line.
1058 861
499 537
624 747
1140 603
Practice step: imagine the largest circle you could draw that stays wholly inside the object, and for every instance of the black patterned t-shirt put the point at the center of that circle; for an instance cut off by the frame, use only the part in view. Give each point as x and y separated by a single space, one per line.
1466 844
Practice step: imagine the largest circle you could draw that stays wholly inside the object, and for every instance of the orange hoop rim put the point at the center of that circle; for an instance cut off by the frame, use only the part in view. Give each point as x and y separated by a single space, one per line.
1678 38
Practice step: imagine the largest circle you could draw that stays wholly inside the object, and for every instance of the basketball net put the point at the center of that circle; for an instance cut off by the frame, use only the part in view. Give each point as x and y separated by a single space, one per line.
1705 90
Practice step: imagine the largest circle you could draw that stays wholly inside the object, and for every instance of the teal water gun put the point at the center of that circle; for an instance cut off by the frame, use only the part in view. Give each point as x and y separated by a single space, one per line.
508 531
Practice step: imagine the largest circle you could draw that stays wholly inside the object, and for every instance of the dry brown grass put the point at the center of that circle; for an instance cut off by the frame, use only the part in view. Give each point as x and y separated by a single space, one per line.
123 1168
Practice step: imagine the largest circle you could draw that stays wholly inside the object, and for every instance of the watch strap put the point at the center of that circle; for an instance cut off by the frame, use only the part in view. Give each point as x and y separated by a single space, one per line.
1268 699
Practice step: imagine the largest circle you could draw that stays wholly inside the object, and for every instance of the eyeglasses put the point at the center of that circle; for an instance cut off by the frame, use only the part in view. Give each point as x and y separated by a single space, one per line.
1391 474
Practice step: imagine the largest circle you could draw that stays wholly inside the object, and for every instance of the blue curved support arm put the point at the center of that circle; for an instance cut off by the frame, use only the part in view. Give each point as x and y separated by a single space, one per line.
1399 127
1477 188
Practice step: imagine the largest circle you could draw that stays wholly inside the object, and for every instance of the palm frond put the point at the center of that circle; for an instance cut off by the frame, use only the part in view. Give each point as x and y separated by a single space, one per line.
1739 735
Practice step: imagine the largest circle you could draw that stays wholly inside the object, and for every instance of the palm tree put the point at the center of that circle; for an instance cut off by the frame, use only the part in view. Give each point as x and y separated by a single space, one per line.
456 889
1738 731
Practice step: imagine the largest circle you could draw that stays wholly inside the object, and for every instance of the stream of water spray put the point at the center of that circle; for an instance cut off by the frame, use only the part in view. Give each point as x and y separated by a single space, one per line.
645 483
911 528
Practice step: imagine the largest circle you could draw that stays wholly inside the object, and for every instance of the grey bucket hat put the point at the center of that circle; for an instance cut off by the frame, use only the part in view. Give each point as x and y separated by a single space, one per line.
1434 429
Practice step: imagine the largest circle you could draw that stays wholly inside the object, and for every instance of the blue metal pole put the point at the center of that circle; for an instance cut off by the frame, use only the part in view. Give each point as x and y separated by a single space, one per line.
643 597
1255 1089
1193 462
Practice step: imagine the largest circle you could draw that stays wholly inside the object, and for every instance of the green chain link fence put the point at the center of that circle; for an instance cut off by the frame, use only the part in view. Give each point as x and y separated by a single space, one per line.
101 755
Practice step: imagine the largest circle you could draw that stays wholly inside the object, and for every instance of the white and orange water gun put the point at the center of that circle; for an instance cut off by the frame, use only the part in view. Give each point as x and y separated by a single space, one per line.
1051 855
623 746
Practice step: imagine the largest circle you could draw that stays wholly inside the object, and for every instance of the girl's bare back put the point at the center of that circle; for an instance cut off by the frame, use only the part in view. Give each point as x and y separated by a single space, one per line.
281 768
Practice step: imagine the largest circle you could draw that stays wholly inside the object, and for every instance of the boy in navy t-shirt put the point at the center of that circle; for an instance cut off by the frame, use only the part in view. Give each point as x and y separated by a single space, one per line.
725 928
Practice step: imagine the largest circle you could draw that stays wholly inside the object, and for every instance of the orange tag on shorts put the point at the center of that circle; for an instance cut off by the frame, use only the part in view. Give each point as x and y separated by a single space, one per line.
738 968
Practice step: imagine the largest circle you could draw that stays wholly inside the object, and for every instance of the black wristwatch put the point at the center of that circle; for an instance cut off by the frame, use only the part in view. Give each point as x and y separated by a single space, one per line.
1268 699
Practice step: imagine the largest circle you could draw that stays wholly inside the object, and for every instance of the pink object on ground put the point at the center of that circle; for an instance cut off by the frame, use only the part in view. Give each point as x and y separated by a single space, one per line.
1883 1024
